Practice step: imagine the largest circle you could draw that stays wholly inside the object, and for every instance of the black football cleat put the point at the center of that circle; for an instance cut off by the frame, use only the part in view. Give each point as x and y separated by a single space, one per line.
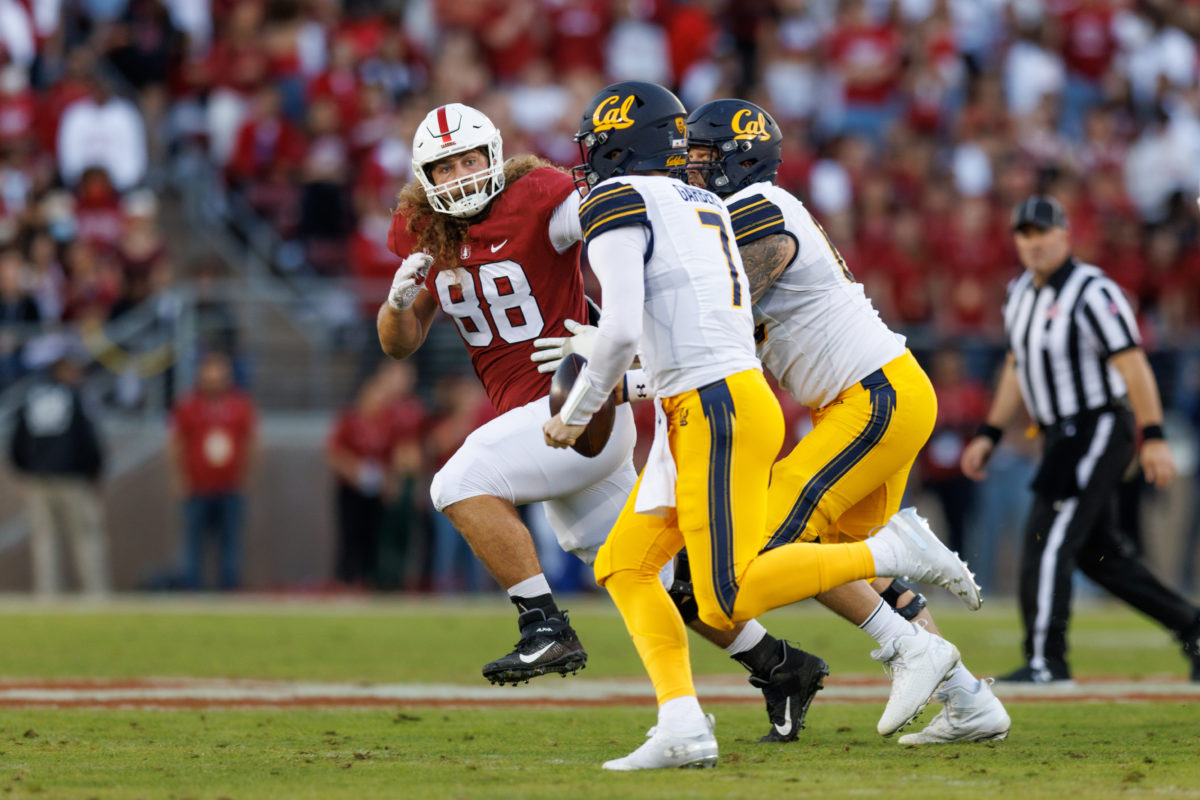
789 690
548 644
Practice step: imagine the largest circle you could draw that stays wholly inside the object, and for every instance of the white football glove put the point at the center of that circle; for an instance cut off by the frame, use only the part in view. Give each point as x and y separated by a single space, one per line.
406 285
550 352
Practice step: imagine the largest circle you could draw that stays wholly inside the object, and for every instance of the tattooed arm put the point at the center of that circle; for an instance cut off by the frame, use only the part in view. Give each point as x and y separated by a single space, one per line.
765 260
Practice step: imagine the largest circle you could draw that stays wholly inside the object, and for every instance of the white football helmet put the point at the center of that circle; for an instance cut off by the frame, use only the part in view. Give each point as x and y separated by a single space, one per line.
450 130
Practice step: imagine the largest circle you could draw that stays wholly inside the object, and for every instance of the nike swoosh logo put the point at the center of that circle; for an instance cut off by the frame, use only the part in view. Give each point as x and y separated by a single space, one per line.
529 659
786 727
496 247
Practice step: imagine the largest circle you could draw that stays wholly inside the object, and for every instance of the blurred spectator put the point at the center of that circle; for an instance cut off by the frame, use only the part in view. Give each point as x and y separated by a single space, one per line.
97 209
93 284
1088 46
962 407
577 31
17 39
211 452
102 130
1032 71
326 215
56 452
403 539
460 406
360 450
267 146
637 46
17 108
866 56
141 251
19 316
1161 57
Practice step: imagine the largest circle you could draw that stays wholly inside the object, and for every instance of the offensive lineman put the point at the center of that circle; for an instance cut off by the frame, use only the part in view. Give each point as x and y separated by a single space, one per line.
662 252
873 406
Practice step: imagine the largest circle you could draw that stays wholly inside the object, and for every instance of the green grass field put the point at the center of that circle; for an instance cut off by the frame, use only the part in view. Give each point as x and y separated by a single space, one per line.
411 750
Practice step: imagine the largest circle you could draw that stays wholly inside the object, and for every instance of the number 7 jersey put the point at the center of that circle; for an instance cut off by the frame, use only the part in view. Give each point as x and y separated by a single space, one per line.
513 285
697 326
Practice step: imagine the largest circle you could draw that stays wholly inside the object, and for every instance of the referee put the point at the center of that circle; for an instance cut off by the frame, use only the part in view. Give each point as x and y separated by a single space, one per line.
1075 358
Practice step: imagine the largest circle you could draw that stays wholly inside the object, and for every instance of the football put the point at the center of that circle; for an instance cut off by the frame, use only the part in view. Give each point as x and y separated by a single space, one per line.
596 434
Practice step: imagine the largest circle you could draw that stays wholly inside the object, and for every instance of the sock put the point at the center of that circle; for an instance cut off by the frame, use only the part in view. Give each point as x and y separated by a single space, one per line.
887 560
682 715
761 657
750 636
533 593
885 624
961 678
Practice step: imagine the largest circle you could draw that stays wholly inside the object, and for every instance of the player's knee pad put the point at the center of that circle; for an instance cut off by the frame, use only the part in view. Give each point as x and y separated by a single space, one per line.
893 593
685 600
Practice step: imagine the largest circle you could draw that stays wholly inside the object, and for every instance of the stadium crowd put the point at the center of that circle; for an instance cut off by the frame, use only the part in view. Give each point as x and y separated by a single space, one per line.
912 127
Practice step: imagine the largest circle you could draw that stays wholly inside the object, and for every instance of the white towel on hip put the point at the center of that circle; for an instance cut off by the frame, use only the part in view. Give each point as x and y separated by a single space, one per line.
656 495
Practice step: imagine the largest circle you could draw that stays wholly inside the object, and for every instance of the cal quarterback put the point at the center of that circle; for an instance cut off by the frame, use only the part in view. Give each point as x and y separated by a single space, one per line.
675 291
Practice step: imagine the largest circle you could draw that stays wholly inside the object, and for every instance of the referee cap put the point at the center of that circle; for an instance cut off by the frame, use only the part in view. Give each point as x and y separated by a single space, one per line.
1041 211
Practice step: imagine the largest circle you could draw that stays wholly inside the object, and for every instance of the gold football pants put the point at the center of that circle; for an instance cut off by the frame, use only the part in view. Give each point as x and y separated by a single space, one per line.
846 478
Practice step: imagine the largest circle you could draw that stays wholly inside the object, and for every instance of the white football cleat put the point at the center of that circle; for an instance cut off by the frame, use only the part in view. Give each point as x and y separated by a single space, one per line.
666 749
926 559
968 716
917 662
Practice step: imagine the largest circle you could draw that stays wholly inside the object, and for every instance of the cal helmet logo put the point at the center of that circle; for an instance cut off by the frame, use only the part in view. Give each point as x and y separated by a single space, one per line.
677 161
745 128
613 113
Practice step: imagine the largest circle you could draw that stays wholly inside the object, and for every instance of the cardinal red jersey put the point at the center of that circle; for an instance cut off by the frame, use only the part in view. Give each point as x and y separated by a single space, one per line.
515 287
214 436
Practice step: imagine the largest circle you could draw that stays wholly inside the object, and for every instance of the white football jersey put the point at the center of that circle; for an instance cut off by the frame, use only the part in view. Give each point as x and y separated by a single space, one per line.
815 328
697 325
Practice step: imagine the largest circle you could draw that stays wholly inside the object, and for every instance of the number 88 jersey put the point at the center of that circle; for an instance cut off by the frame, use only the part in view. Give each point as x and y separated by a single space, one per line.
513 287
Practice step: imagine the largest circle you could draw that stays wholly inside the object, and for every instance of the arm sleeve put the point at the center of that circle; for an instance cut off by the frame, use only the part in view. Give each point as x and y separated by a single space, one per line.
564 223
616 258
1105 314
755 217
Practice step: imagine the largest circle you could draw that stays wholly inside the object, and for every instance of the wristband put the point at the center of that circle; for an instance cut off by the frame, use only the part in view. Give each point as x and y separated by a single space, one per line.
637 385
991 432
1151 432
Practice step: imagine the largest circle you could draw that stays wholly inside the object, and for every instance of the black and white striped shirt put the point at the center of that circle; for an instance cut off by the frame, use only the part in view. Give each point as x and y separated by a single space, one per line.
1062 336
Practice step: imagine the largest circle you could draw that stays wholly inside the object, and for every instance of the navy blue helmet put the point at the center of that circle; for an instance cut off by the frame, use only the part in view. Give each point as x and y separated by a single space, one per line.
746 142
631 126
